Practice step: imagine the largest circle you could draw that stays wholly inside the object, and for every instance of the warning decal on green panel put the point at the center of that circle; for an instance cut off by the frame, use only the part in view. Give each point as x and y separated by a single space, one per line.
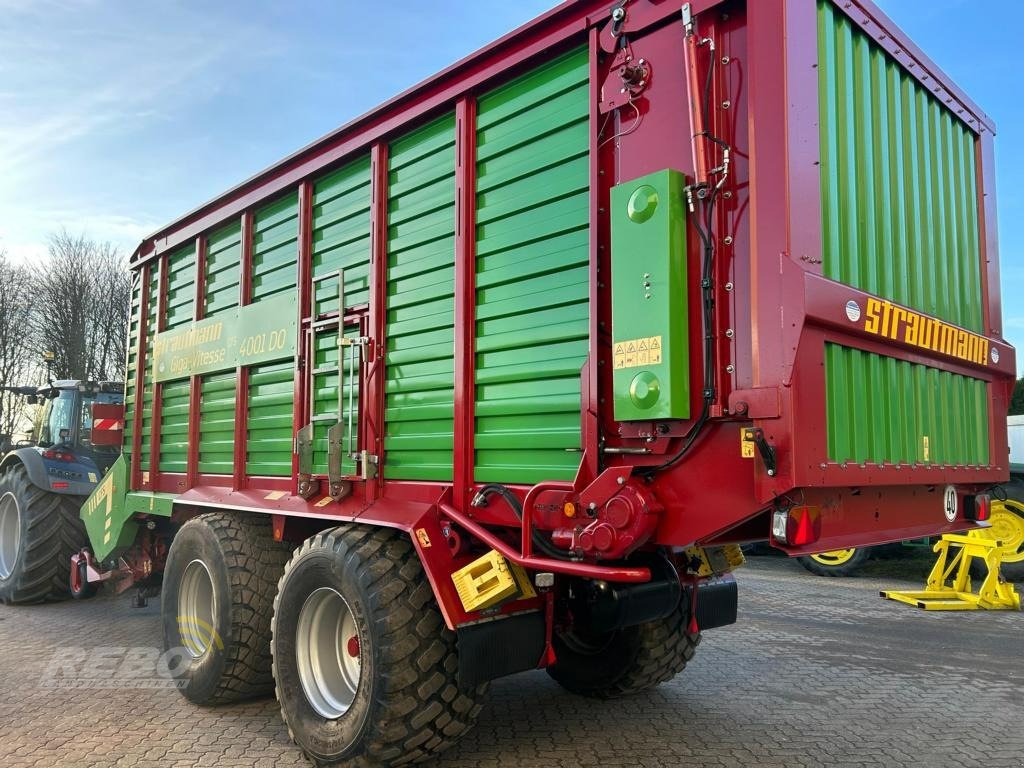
256 333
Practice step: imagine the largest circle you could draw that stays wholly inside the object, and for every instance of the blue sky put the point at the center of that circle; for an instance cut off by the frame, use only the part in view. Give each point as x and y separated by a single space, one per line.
116 117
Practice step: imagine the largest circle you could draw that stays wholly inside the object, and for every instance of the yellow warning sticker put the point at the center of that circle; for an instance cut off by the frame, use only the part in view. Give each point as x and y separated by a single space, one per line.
323 502
635 353
747 443
423 536
275 495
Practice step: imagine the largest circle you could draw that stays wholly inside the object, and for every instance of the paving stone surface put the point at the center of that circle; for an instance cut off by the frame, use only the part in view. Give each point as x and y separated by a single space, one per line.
817 671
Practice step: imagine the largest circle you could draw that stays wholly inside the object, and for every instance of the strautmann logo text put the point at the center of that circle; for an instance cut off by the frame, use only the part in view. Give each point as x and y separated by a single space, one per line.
883 318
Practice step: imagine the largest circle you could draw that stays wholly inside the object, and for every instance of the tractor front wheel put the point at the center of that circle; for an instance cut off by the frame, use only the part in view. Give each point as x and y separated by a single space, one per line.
366 670
625 661
39 532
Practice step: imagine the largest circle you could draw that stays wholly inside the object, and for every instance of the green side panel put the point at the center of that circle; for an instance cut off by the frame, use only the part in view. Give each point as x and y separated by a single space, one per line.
270 426
341 236
148 384
881 409
217 423
327 411
419 399
107 521
181 287
899 202
174 426
651 370
275 248
223 269
132 361
532 273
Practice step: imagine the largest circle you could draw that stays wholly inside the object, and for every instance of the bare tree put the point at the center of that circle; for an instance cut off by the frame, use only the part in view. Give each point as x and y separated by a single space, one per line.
82 292
15 340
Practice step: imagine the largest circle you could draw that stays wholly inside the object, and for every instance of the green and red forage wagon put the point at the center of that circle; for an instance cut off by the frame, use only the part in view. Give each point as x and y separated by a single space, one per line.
499 375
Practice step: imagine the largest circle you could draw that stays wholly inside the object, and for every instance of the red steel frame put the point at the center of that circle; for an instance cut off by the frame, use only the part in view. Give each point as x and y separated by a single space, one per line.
772 212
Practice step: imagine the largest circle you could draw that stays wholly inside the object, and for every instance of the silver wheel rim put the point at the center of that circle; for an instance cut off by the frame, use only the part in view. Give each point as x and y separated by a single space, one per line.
10 534
196 606
327 653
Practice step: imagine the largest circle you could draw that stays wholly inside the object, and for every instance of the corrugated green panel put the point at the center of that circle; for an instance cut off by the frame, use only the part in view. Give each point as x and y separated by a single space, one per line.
532 273
129 387
217 424
899 202
223 268
181 287
881 409
174 426
269 442
275 247
421 311
326 409
147 390
341 236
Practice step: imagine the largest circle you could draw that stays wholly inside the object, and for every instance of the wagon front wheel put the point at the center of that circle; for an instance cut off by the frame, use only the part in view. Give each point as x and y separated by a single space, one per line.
365 668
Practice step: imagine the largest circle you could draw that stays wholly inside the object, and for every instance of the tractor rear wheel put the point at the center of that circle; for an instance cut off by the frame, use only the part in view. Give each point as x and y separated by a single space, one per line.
218 593
838 562
625 661
366 670
39 532
1007 525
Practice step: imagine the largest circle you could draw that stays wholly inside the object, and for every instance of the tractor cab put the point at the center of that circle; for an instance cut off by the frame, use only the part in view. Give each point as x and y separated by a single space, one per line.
63 431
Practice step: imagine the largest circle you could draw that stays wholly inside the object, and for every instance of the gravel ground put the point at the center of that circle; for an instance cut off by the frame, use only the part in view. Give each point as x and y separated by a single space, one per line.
817 671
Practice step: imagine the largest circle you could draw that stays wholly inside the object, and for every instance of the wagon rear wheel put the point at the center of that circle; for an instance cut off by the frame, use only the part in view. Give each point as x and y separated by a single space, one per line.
364 665
625 661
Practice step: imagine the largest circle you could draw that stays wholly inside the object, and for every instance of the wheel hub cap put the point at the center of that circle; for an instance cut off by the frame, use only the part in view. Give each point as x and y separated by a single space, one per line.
1007 521
196 607
10 534
328 653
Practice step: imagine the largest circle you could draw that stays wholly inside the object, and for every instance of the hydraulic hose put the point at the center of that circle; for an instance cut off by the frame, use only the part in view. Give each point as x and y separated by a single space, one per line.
539 540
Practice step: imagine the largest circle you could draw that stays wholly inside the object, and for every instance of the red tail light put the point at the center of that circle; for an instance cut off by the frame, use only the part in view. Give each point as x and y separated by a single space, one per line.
978 508
56 484
56 454
796 526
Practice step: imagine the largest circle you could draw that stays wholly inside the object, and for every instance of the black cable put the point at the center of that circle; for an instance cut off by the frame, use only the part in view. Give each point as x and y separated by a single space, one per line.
539 541
705 232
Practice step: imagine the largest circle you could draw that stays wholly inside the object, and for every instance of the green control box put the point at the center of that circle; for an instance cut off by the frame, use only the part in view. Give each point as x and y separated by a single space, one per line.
650 330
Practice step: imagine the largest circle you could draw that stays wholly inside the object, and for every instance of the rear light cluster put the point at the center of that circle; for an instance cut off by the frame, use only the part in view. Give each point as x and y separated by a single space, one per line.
796 526
978 507
58 454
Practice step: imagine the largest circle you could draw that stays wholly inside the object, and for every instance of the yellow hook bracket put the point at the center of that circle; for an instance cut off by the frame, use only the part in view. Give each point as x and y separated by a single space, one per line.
949 583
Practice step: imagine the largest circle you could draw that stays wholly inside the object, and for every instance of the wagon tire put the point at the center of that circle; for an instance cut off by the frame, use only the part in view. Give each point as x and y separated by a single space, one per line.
39 532
624 662
836 564
216 602
380 686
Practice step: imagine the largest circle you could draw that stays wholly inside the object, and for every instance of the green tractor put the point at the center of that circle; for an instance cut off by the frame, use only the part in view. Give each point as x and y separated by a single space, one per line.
43 483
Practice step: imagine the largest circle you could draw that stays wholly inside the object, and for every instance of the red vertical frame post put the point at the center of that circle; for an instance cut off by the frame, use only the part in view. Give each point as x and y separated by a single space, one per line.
769 205
141 360
242 372
999 391
154 432
465 297
304 287
589 426
195 389
373 404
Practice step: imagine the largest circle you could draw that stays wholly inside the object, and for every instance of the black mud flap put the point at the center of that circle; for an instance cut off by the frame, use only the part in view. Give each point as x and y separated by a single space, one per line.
499 647
717 599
